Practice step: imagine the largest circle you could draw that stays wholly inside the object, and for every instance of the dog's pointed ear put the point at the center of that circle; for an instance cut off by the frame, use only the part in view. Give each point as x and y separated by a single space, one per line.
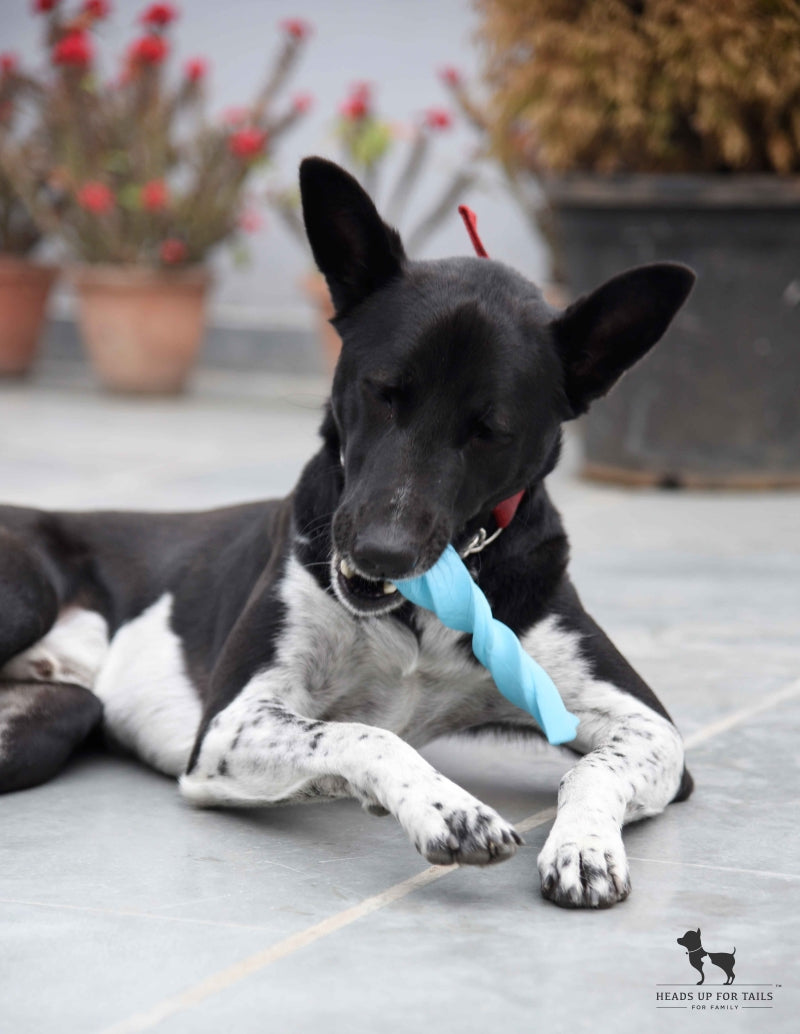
604 333
354 249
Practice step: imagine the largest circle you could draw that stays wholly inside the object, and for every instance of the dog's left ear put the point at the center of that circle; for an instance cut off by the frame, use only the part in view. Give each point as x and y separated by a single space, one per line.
604 333
354 249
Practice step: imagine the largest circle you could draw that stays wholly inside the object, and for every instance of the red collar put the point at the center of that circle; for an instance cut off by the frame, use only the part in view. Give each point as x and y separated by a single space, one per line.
503 515
504 512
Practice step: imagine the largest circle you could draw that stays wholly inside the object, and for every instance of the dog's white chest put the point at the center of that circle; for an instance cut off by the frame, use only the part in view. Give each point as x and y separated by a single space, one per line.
377 670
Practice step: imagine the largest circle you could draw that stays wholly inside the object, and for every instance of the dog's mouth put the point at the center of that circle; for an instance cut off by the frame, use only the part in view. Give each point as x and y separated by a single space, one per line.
363 596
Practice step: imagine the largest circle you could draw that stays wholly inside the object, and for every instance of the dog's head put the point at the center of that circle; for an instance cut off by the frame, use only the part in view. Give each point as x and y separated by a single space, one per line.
454 379
691 939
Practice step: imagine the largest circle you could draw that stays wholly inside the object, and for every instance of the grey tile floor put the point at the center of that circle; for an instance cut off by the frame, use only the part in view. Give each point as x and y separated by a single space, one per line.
123 910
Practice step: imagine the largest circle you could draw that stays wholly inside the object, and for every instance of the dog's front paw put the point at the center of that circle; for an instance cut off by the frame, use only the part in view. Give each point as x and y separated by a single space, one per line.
460 830
584 870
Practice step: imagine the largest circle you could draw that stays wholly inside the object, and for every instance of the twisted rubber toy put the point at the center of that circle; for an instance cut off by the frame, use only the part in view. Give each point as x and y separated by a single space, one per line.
449 591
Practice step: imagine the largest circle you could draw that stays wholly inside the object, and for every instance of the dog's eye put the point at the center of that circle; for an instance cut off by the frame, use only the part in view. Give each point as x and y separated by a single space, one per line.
488 434
384 393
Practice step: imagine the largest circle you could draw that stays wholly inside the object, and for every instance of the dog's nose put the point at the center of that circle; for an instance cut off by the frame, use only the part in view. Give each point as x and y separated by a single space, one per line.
383 556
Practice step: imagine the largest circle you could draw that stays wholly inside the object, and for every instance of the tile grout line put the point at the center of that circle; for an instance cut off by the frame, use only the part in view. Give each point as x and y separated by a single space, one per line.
716 868
131 914
225 978
737 717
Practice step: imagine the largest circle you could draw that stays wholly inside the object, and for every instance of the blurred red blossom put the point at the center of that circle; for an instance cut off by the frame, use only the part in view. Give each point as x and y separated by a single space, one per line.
438 118
97 9
301 102
451 75
95 197
148 50
247 143
74 49
195 69
296 27
172 251
357 104
159 14
127 166
154 196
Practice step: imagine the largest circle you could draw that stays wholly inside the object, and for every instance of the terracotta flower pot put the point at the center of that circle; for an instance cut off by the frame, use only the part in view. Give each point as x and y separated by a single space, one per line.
319 296
24 289
142 327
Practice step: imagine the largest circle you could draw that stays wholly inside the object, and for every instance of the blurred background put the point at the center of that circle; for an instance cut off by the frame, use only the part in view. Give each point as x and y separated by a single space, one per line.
418 41
148 168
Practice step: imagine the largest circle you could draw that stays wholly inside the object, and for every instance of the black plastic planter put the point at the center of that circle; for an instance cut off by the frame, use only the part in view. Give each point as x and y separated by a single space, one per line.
717 402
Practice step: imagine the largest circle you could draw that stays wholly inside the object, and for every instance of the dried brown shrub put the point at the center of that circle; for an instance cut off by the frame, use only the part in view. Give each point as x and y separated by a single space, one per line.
645 85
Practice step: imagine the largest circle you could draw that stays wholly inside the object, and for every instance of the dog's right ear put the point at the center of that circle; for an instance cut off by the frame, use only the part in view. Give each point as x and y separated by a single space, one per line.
354 249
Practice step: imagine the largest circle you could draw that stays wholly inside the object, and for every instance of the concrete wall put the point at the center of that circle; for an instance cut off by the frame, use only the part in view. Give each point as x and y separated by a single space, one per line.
398 45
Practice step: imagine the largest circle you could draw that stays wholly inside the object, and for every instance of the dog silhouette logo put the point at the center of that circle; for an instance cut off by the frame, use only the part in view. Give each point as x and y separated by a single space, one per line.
694 949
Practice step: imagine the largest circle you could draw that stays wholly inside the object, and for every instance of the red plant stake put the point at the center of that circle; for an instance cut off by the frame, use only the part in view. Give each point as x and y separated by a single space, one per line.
471 223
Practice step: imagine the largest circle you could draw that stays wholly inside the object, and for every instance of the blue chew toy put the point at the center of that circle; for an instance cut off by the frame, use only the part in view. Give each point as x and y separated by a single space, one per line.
449 591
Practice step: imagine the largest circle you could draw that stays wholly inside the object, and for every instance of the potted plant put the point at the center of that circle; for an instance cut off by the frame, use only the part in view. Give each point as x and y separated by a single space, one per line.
660 130
24 284
367 141
142 185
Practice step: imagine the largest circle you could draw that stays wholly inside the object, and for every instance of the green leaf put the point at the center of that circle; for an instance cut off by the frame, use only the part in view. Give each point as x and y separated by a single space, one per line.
130 197
240 254
372 142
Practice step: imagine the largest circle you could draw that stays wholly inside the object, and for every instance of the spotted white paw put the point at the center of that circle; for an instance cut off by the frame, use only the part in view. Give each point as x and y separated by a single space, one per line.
450 826
582 869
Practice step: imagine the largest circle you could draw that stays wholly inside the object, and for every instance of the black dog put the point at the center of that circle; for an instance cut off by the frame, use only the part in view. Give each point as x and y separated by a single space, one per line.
261 652
696 952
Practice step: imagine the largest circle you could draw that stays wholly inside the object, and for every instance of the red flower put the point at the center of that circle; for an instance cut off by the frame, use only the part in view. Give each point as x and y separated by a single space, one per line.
8 63
172 251
43 6
355 107
74 49
438 118
95 197
159 14
357 104
149 50
195 69
301 102
451 75
247 143
297 28
97 9
154 195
